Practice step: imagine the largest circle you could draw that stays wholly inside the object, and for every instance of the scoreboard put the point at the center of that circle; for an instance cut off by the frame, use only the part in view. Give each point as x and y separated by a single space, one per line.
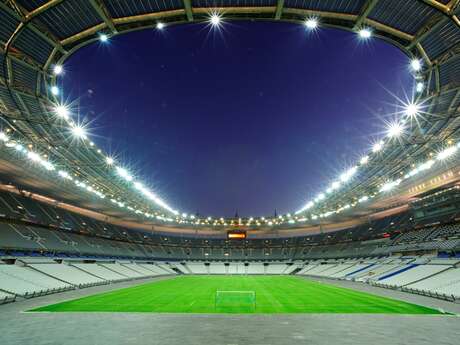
236 235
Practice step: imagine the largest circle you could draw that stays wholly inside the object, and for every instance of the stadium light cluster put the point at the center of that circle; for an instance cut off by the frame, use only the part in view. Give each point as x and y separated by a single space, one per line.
311 23
104 38
63 111
365 33
394 130
58 70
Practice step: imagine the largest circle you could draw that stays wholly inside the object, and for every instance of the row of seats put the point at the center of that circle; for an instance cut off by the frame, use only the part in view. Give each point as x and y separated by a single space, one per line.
234 268
421 274
31 225
29 278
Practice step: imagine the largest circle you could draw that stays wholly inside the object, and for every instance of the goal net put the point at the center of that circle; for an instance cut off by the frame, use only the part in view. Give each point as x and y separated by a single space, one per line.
235 301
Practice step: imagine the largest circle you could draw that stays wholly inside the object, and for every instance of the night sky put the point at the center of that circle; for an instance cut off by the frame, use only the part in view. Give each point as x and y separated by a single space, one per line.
258 117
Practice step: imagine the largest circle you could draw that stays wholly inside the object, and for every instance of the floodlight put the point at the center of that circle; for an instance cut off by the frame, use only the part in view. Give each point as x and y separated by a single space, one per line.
395 130
365 33
124 173
103 38
364 160
446 153
57 69
61 111
54 90
3 137
419 87
416 65
78 131
377 147
215 19
412 109
311 23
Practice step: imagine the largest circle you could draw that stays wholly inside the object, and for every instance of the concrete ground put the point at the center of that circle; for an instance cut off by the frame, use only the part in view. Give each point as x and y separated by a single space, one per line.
17 327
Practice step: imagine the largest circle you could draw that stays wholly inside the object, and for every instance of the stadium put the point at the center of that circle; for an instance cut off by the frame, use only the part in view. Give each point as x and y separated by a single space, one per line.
92 253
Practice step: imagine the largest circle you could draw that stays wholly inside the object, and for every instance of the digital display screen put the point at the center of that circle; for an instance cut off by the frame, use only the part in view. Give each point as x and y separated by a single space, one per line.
238 235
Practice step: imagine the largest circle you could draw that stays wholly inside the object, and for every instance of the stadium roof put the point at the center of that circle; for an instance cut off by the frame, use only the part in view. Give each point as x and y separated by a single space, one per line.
37 36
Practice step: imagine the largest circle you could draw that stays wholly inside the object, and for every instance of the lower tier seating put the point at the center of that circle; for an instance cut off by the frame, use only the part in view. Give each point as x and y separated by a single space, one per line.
25 281
68 273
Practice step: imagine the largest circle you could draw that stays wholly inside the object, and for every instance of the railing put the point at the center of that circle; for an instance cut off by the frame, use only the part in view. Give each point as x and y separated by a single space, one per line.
46 292
7 299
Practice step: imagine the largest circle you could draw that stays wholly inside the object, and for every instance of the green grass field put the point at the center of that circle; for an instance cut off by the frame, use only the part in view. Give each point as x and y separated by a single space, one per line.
255 294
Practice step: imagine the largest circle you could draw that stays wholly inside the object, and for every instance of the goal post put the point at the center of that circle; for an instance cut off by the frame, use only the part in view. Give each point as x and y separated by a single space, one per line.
235 301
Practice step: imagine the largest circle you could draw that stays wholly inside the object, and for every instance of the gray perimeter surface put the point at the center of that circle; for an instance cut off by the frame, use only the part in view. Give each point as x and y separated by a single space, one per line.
17 327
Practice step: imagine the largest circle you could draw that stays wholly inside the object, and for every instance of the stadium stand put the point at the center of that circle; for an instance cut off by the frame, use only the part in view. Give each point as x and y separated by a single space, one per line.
217 268
100 271
446 282
68 273
256 268
415 273
274 268
45 249
26 282
197 268
122 270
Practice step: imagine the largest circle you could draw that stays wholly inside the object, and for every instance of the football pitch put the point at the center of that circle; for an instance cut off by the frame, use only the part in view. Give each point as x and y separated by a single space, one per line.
237 294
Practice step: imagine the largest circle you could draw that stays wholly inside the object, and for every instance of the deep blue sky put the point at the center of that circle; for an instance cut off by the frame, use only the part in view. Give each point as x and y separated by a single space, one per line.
258 118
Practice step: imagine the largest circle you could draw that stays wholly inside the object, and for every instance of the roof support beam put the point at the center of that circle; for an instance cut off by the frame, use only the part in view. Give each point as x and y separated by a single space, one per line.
104 14
121 21
452 5
24 60
437 5
42 32
88 32
389 30
279 9
454 101
9 71
425 31
42 8
437 78
188 10
367 8
17 8
424 54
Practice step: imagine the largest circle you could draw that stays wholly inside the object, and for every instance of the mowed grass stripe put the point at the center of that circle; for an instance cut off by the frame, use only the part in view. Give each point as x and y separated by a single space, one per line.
274 294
